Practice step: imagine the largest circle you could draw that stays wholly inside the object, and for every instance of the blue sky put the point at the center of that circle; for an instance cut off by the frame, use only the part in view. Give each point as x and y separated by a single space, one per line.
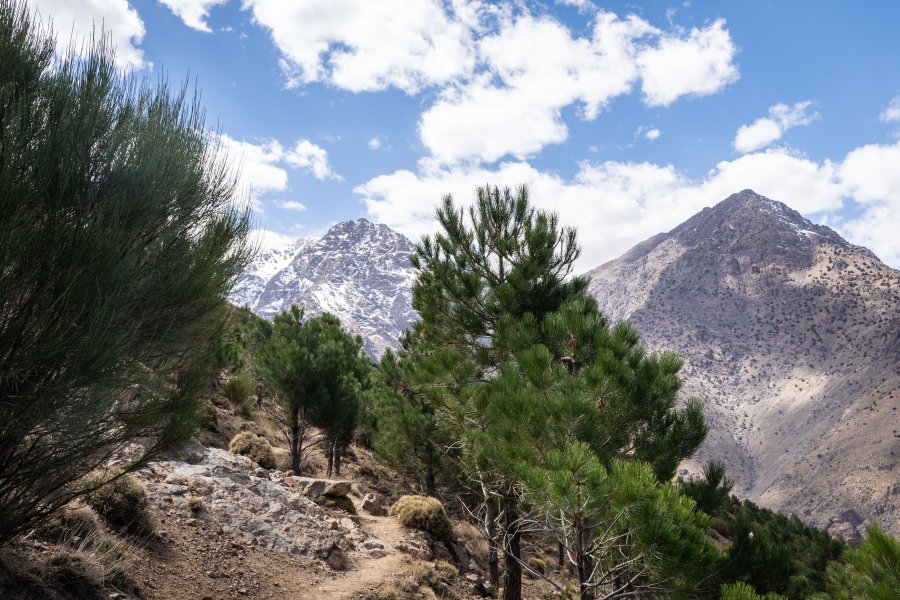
626 118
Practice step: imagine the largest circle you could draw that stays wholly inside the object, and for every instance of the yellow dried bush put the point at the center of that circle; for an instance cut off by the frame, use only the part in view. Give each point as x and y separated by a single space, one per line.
253 447
422 512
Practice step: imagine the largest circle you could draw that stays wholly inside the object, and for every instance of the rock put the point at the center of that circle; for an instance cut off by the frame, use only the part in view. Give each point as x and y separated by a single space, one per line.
376 548
336 559
192 452
372 504
245 509
309 486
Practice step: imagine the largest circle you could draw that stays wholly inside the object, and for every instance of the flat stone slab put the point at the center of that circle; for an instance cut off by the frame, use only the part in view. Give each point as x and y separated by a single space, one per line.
310 486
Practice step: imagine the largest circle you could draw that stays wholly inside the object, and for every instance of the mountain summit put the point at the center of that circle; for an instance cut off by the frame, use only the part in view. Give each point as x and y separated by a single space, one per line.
791 337
358 271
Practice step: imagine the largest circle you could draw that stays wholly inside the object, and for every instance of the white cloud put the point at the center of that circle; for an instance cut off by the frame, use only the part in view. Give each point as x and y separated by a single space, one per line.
75 21
313 158
652 134
502 76
532 68
615 205
361 46
766 130
259 165
262 166
891 112
193 12
266 239
374 143
290 205
699 64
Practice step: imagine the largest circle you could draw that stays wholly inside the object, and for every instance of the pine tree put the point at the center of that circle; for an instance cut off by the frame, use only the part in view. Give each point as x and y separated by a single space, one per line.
623 532
411 433
872 568
506 262
120 240
549 371
316 371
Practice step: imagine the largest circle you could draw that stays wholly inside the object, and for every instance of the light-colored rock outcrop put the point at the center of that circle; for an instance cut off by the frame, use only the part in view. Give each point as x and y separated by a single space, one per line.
254 506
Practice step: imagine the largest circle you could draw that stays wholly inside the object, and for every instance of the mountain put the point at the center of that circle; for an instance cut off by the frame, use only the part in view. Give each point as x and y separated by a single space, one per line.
791 338
358 271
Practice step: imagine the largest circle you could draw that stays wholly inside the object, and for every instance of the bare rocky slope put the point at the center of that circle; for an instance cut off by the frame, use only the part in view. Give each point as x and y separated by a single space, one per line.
358 271
791 337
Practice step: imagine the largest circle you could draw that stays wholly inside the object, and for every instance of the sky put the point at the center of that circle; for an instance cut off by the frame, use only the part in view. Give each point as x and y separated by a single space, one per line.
625 118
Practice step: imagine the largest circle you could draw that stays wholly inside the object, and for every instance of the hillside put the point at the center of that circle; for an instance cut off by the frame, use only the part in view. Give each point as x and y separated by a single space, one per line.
358 271
791 337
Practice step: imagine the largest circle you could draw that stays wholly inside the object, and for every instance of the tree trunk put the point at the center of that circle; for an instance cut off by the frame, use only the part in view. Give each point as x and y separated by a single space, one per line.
296 442
512 539
430 487
338 450
490 525
560 554
584 563
329 453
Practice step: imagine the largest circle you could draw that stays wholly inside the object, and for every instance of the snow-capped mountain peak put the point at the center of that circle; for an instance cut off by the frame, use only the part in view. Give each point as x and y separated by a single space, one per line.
358 271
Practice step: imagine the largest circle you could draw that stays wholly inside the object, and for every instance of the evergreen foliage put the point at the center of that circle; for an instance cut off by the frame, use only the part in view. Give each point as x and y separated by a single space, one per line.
316 371
120 240
767 550
535 369
503 262
238 389
411 433
742 591
872 568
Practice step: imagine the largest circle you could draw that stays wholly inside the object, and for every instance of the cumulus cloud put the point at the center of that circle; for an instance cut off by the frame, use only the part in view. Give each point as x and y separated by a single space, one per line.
310 157
364 46
891 113
615 205
694 65
193 12
532 68
652 134
494 67
75 21
290 205
766 130
374 143
266 239
262 167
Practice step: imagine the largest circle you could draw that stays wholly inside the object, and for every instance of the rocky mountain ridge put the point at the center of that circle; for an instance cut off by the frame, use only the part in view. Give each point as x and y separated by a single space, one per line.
791 337
358 271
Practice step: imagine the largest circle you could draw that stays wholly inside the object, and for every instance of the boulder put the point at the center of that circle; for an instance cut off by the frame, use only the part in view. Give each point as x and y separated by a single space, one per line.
309 486
372 504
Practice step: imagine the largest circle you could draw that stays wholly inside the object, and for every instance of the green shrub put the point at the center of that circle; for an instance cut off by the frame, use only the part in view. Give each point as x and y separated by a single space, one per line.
240 388
246 410
69 524
122 502
209 418
253 447
422 512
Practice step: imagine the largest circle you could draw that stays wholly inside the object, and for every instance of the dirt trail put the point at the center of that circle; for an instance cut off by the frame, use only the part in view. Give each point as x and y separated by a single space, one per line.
368 574
194 562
